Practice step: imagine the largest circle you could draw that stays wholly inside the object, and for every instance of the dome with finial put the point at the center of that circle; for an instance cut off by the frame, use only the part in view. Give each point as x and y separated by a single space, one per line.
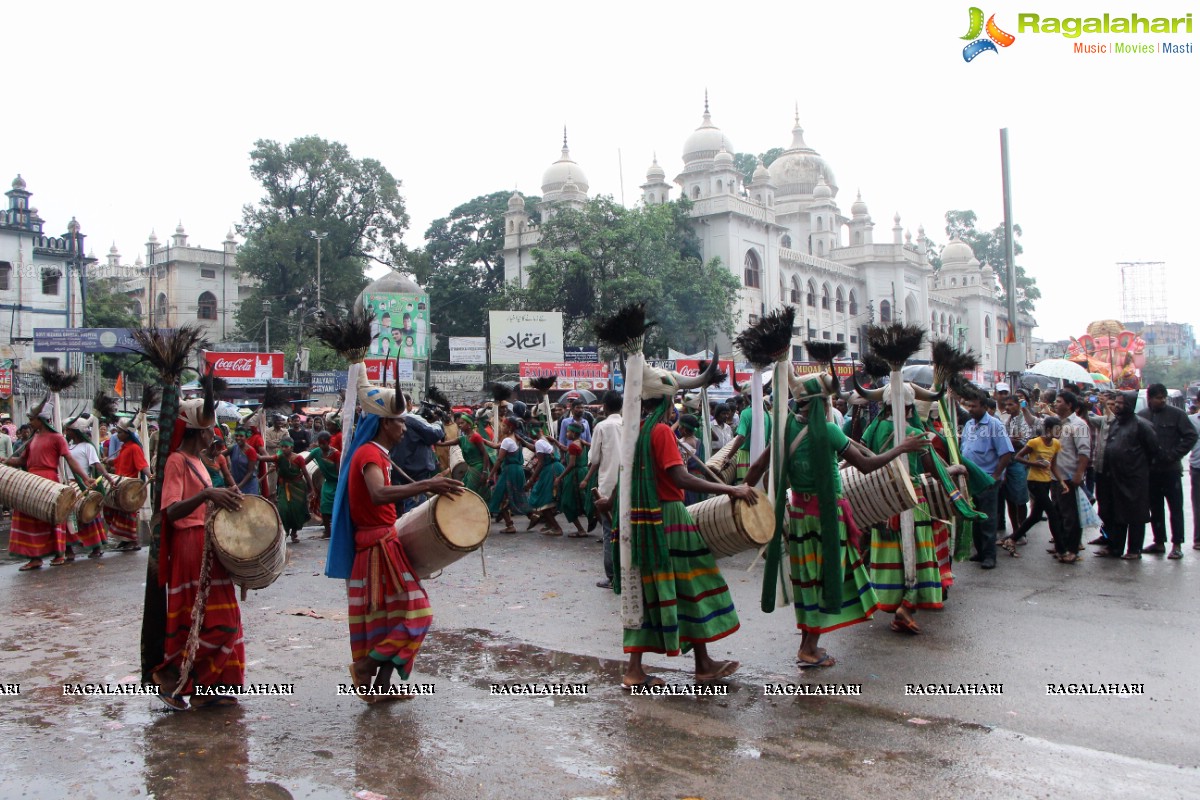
153 238
73 226
706 141
229 236
516 202
761 173
570 187
799 168
112 251
654 172
391 282
896 219
18 182
557 173
858 208
958 253
179 227
822 190
723 158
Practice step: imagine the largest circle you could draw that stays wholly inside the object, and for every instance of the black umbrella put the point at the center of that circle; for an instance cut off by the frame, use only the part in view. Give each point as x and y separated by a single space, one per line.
582 394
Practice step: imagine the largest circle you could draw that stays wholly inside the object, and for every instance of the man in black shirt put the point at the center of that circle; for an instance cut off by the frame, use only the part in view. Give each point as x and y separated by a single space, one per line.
1175 435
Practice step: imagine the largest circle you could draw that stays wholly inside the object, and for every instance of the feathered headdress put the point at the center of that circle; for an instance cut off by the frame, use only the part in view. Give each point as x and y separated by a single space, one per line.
104 406
769 340
167 351
349 337
949 361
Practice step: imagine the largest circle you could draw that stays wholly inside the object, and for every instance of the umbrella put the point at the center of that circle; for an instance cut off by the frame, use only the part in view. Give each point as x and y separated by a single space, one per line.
1100 377
583 394
1063 370
921 374
227 411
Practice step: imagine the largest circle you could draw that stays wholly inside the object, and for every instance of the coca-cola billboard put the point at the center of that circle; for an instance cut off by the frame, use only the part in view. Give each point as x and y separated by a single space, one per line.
245 366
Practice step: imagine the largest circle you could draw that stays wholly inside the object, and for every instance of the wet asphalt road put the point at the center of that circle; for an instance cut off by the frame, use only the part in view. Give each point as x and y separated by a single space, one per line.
537 617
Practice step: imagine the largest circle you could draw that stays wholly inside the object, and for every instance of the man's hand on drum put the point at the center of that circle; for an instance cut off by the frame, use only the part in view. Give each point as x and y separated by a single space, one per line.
603 505
743 492
444 486
223 497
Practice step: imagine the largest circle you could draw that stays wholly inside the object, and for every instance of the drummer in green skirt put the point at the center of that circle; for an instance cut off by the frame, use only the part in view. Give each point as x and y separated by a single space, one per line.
475 453
293 490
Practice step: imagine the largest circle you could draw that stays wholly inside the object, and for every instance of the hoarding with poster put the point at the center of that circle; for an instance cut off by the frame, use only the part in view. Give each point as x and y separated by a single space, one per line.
399 324
521 336
593 377
690 367
245 367
381 370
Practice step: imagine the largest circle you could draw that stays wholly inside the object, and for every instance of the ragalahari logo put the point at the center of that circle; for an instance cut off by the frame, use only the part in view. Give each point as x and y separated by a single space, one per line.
995 36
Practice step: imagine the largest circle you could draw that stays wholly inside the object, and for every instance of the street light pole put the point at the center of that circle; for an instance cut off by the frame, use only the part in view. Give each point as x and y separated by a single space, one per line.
320 237
267 320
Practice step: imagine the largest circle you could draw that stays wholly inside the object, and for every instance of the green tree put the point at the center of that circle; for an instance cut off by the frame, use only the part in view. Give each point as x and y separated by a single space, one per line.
593 261
746 163
1172 373
989 248
109 307
310 185
462 265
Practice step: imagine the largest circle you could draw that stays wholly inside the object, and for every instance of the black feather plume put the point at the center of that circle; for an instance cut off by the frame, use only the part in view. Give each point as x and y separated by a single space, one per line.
544 383
875 366
964 388
150 398
719 377
437 397
58 381
625 329
767 341
274 397
825 352
948 359
349 337
104 406
168 351
895 343
500 392
219 386
210 398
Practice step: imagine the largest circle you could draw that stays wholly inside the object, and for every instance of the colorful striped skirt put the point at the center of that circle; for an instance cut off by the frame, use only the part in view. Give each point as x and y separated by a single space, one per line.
887 563
91 534
389 610
542 494
941 545
30 537
221 657
509 491
804 554
121 524
741 465
686 603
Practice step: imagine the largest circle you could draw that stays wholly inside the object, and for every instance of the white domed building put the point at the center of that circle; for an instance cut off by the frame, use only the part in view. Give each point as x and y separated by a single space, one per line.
788 241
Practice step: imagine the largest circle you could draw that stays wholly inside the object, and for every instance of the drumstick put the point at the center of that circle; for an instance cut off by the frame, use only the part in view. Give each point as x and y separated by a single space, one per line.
483 560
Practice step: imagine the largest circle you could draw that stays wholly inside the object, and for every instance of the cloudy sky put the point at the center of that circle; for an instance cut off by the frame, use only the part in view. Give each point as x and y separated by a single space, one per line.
134 116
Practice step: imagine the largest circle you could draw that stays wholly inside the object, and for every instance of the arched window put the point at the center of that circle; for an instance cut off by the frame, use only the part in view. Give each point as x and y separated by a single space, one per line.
720 186
825 296
695 192
160 309
987 326
885 312
811 300
511 226
136 308
5 275
820 223
785 241
943 325
853 303
954 281
796 290
820 248
840 301
858 237
753 271
653 198
206 306
933 322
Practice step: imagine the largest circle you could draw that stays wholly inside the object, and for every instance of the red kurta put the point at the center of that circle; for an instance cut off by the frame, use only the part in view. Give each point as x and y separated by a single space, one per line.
29 536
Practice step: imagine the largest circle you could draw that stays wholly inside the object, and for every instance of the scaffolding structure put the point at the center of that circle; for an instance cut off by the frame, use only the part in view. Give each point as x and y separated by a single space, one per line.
1143 291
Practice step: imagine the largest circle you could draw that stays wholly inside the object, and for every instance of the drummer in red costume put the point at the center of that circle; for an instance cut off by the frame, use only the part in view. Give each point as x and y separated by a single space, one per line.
389 610
219 659
129 463
30 537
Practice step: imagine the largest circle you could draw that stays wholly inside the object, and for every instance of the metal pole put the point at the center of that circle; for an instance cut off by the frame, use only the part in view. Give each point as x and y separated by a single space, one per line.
1009 258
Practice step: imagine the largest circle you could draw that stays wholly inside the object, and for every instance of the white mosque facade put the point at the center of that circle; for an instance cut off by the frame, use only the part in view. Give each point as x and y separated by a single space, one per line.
784 235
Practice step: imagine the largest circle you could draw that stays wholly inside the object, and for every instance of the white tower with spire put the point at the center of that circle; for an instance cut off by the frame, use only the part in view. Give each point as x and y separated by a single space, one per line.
656 190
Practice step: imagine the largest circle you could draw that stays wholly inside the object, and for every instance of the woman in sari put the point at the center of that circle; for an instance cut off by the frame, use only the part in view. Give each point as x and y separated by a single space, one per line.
542 484
217 464
293 490
571 488
508 476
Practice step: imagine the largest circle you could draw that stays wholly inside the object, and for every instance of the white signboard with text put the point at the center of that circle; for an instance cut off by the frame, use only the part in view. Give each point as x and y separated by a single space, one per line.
468 350
519 336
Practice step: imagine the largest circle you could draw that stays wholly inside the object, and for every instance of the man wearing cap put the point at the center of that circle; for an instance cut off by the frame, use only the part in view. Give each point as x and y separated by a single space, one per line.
129 463
30 537
389 610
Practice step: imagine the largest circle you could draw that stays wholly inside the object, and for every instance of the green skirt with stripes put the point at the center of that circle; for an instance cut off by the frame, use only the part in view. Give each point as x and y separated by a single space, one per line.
804 554
687 602
887 564
542 494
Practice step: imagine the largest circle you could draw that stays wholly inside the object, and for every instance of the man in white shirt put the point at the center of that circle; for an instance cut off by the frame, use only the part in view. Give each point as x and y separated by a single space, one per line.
722 431
605 459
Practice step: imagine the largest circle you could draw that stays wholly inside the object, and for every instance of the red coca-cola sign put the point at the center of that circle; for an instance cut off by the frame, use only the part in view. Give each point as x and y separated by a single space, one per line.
260 366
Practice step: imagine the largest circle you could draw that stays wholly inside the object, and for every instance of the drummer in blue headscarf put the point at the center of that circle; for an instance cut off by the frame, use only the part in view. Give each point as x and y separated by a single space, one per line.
389 610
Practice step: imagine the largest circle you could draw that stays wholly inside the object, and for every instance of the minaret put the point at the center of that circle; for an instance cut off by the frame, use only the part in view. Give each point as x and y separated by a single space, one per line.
860 223
656 190
230 244
114 257
822 220
151 246
725 176
180 238
897 230
516 240
762 191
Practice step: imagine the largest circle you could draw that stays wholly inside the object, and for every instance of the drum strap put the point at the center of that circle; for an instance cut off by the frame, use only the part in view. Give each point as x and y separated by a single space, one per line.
795 443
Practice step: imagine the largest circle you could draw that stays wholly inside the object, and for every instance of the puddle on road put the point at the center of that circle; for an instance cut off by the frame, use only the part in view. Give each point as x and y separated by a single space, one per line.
464 742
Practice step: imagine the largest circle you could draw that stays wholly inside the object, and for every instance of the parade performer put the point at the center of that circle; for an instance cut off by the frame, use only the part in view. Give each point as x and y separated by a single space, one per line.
508 472
293 489
129 463
389 611
243 462
754 417
329 461
673 597
83 452
30 537
830 586
203 645
574 500
474 452
547 468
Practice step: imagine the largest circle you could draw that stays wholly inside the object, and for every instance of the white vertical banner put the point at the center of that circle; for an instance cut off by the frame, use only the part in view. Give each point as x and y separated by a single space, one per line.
519 336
